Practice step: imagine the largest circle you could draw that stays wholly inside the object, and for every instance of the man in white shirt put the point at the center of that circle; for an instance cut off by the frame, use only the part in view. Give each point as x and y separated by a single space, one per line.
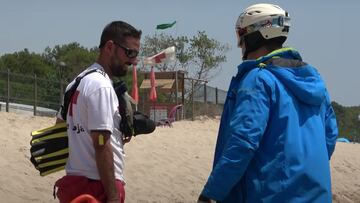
96 157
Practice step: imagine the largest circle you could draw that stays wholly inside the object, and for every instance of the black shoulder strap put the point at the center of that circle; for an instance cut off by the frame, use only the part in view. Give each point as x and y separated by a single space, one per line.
70 92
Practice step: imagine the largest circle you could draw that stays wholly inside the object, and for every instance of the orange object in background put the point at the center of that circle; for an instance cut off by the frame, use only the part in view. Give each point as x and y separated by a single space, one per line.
85 198
135 91
153 95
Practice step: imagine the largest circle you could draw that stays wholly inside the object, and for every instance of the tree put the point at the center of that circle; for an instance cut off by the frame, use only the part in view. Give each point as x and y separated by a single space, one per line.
348 121
154 44
23 65
200 56
46 66
74 57
25 62
207 55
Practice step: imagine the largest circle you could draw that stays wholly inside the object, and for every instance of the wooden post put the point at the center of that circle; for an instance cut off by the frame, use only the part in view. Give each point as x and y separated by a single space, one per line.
183 109
216 96
192 100
176 88
143 95
176 93
61 66
35 94
8 91
205 99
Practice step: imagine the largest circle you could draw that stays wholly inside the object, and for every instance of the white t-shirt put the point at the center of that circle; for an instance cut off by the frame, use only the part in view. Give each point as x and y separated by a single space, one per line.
94 106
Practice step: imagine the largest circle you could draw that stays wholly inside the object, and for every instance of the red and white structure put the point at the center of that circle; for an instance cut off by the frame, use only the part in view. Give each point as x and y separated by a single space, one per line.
165 55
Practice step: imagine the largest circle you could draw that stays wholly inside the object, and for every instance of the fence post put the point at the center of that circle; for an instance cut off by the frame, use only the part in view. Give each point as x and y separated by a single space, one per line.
183 109
192 100
205 99
35 94
143 95
61 92
216 96
176 93
8 91
176 88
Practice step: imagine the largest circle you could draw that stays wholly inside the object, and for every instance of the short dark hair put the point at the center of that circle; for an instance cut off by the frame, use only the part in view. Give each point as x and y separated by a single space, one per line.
118 31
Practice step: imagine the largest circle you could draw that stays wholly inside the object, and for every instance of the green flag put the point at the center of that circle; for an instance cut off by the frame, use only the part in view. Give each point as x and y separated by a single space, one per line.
165 25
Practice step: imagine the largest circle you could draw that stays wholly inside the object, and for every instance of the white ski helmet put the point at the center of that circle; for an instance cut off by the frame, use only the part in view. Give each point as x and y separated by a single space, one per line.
264 21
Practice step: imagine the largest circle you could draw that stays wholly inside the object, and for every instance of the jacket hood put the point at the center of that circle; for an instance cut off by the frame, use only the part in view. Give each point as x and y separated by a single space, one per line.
300 78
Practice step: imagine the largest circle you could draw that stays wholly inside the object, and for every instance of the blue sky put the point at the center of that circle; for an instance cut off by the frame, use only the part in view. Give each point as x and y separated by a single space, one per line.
326 32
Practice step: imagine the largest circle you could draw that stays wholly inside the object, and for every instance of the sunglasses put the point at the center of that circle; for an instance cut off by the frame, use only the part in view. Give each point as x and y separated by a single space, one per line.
131 53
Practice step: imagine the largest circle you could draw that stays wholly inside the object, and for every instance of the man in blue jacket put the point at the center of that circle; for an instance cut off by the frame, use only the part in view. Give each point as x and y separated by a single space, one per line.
278 129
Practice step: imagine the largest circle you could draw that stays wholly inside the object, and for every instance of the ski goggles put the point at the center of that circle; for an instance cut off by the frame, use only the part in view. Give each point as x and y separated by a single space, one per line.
280 21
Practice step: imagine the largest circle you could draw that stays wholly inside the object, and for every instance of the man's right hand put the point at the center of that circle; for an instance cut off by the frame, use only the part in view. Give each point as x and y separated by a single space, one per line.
126 140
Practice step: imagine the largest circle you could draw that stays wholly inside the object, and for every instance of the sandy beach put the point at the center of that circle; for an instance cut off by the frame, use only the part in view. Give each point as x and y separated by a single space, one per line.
169 165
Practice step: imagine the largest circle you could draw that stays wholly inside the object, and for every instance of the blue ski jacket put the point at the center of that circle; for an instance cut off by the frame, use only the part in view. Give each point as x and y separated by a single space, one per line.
277 133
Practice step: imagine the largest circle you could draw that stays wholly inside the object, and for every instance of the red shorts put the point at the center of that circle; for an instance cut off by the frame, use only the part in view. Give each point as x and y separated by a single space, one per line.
70 187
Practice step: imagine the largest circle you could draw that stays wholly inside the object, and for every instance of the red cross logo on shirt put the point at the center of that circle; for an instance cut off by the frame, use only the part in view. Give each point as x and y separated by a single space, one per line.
73 101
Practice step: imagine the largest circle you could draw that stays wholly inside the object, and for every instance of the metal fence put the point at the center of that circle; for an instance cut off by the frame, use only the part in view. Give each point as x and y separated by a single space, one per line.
39 96
20 92
210 94
204 99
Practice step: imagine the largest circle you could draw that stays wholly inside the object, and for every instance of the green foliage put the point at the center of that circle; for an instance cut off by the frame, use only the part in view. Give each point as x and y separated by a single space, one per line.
25 62
207 55
48 93
200 53
75 59
348 121
199 56
22 90
48 64
154 44
47 67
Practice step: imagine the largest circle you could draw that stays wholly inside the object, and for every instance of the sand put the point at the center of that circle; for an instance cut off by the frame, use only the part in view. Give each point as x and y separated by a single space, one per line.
169 165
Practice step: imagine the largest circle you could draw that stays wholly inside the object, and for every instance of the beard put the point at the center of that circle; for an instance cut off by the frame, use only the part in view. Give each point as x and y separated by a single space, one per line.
118 69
